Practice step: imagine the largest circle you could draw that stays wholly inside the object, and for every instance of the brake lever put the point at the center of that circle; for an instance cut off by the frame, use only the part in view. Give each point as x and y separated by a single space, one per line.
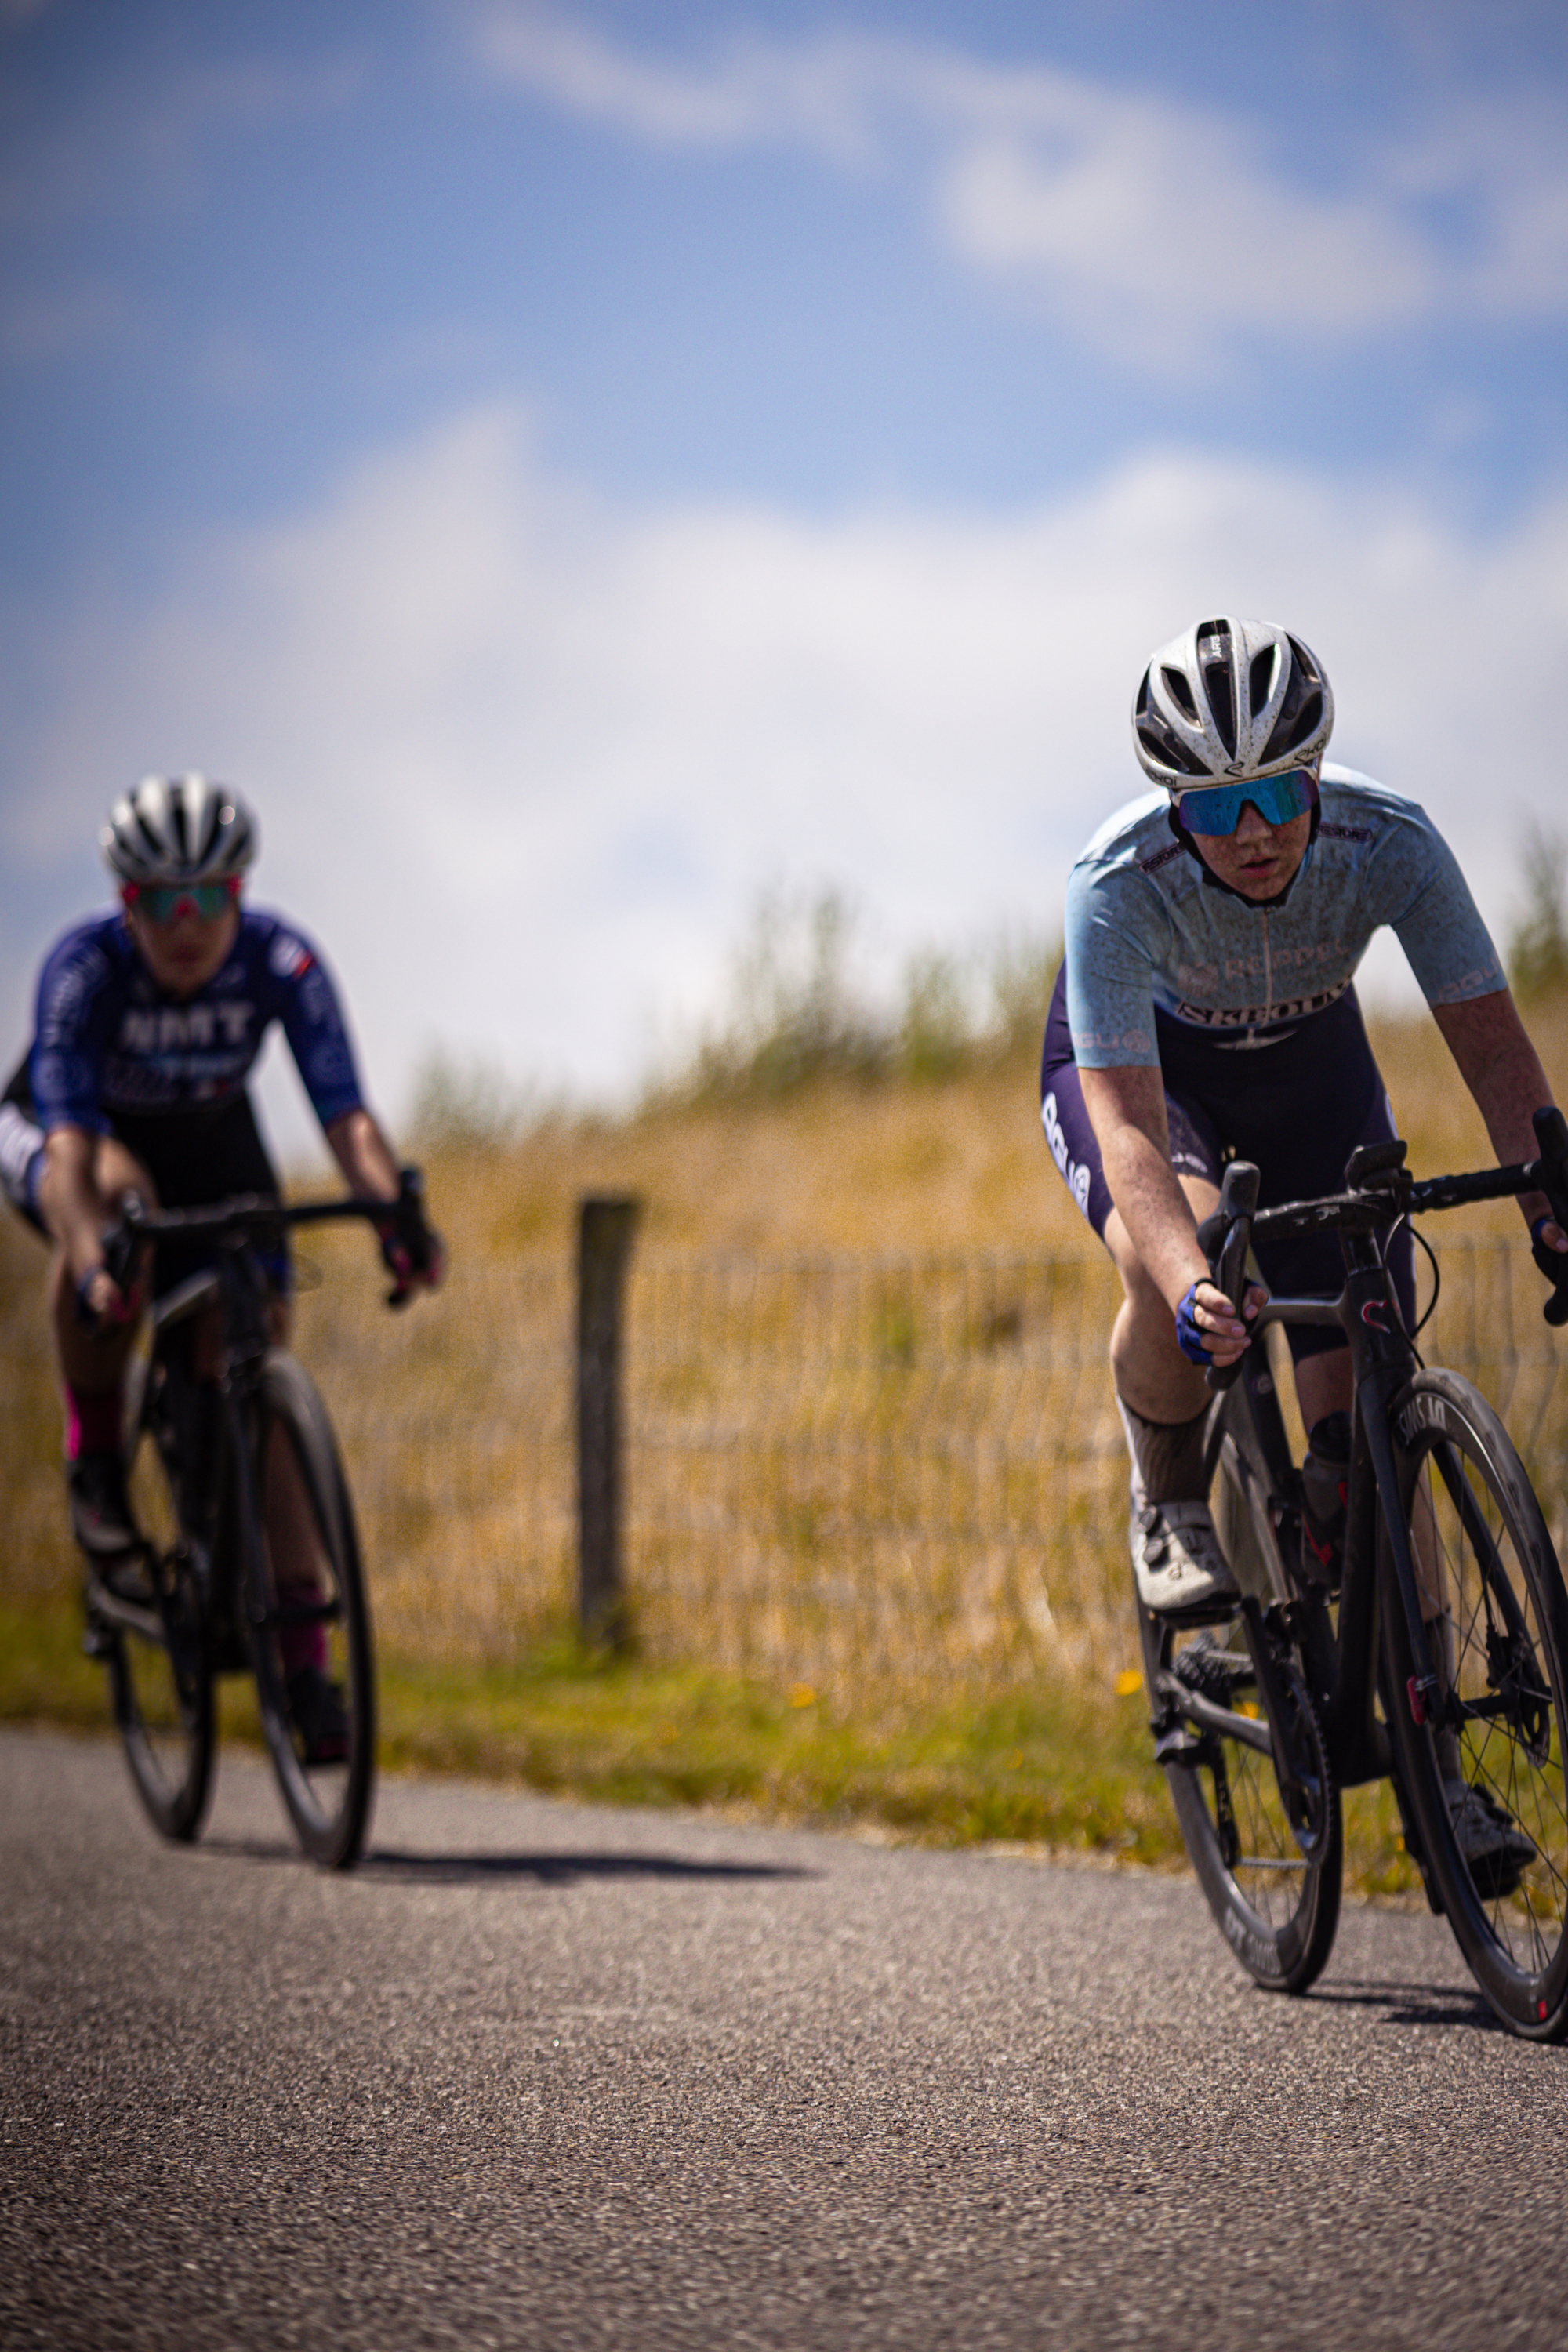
409 1226
1226 1250
122 1241
1552 1139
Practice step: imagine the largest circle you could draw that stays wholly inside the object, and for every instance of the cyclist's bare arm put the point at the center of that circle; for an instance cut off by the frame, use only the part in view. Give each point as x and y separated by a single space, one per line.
371 1172
1503 1072
84 1173
363 1154
1127 1107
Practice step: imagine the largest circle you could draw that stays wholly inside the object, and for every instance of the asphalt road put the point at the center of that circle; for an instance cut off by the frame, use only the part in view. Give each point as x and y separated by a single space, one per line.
542 2074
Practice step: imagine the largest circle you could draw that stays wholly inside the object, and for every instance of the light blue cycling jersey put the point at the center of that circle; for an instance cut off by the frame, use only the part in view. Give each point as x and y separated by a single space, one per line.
1148 927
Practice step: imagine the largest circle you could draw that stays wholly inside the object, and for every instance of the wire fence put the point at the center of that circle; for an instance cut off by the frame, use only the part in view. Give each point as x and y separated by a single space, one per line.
839 1472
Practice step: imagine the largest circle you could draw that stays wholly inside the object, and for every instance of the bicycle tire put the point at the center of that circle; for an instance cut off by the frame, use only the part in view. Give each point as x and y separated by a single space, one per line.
1480 1531
1275 1900
162 1687
328 1801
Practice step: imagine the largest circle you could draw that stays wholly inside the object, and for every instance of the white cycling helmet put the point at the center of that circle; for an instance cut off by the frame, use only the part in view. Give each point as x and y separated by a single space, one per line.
1230 698
174 829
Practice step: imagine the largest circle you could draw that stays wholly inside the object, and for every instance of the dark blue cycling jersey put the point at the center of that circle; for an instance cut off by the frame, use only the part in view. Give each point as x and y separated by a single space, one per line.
111 1044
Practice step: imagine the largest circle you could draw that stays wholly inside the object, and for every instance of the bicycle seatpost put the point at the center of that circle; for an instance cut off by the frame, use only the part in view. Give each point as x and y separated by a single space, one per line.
1228 1248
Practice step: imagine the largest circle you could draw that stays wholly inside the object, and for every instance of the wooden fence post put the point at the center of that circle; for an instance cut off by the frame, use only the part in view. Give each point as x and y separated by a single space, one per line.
606 1227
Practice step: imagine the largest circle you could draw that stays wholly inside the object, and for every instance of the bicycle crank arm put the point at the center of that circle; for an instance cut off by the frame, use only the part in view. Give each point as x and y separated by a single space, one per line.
1276 1706
125 1616
1194 1708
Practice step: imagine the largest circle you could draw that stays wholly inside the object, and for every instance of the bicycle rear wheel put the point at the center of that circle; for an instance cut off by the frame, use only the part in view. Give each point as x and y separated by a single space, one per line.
1485 1559
158 1667
309 1620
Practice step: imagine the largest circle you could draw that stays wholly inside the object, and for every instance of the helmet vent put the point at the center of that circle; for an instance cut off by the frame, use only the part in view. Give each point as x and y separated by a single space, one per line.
1162 746
1208 701
1297 722
178 829
1260 678
1181 693
1220 687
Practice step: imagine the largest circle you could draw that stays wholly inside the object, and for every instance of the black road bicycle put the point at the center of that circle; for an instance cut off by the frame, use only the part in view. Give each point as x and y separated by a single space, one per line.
248 1561
1434 1654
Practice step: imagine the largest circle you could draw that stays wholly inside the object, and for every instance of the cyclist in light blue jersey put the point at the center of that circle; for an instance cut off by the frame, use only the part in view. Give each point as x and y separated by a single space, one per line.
1205 1010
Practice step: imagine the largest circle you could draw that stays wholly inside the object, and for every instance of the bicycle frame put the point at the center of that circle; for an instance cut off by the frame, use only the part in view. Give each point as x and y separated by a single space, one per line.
1343 1662
237 1289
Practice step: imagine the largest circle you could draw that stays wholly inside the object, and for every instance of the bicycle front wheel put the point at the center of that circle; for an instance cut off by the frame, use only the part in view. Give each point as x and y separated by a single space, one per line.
1270 1869
1488 1784
309 1620
158 1665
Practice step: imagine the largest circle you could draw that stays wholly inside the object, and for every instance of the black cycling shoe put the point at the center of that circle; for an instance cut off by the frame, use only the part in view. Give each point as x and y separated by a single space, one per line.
117 1575
320 1716
1497 1852
97 1640
100 1508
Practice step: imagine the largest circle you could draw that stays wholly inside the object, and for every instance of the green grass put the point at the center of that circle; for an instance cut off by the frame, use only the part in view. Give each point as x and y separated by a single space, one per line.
1061 1770
1051 1769
43 1678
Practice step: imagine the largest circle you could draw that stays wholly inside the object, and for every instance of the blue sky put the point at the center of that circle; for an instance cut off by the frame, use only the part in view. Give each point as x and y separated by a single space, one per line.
577 467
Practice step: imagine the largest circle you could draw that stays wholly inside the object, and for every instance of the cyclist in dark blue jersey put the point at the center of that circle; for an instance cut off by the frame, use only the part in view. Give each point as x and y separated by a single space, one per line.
148 1023
1205 1010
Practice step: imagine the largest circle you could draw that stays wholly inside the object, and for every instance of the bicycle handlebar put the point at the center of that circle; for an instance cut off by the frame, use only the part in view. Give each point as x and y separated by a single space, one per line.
1229 1232
1380 1191
137 1224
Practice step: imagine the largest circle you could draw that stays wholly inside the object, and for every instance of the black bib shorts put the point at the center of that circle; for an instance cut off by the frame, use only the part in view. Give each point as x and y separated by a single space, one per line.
193 1156
1297 1103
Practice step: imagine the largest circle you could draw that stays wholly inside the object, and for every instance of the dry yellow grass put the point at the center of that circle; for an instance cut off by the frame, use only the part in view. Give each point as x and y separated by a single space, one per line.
957 1165
936 1500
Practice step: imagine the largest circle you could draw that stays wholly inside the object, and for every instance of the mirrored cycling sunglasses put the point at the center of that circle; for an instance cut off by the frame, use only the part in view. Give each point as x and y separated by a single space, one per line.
161 902
1216 808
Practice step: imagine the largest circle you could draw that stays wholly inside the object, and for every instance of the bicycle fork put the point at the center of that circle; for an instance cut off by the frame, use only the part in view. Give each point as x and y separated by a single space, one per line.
1383 1354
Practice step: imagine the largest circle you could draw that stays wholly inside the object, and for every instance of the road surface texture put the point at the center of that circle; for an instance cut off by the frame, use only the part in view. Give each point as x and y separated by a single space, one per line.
543 2074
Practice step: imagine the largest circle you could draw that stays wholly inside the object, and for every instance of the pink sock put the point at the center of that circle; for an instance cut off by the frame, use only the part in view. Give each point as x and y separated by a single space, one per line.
301 1645
92 1422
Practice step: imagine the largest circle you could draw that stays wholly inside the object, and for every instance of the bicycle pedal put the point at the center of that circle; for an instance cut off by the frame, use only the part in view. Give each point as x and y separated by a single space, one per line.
1177 1746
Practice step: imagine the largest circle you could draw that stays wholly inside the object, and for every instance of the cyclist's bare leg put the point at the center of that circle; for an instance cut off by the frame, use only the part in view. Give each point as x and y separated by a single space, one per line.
292 1543
1162 1397
91 1364
1325 1384
1151 1372
206 1345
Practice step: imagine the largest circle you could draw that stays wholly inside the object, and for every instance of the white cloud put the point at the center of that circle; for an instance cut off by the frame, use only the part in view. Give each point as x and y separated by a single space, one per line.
524 759
818 94
1161 229
1167 243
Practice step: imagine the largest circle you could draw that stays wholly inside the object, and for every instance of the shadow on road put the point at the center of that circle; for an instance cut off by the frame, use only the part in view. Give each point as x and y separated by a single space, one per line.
480 1869
1408 2004
556 1869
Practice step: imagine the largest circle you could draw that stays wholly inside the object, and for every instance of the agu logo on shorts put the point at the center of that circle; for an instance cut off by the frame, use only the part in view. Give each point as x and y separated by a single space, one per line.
1076 1172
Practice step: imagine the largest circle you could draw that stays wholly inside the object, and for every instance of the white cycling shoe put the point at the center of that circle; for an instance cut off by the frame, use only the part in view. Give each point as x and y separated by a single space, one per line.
1176 1558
